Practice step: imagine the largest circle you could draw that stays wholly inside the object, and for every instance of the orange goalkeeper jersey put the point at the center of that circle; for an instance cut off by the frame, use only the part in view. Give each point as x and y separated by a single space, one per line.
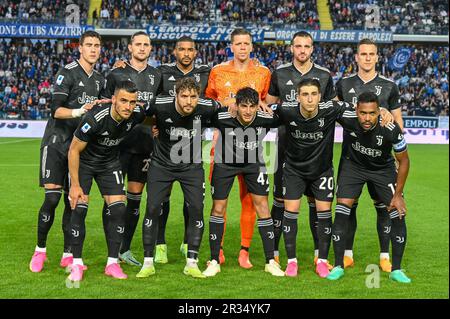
224 81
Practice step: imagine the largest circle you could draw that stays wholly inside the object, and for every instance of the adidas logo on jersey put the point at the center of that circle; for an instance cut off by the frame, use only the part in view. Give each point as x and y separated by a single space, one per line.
289 83
293 123
80 84
330 195
228 83
105 133
353 134
352 90
232 133
169 120
171 78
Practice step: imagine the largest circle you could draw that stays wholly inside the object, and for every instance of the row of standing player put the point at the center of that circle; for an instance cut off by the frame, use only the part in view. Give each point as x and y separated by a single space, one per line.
281 88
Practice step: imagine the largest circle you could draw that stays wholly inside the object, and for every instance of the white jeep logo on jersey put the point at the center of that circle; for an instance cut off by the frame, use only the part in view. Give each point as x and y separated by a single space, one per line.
379 139
378 88
321 122
292 97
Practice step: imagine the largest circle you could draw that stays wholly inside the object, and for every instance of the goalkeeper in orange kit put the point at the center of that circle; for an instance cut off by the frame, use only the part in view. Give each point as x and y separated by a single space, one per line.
224 81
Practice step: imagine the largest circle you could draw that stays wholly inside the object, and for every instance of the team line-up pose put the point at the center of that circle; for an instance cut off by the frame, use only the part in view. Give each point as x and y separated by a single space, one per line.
97 131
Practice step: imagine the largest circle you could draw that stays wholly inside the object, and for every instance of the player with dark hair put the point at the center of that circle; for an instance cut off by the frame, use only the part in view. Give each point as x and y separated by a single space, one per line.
369 160
76 91
224 82
94 154
136 148
367 79
239 152
283 88
185 53
177 157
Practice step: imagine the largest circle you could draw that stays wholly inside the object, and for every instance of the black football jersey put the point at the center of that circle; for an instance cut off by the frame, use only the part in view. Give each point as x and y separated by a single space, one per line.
285 80
240 145
74 87
179 144
372 149
148 83
309 147
171 73
104 135
350 87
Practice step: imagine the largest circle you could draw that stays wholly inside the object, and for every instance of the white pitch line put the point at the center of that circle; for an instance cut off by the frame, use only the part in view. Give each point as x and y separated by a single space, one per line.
19 165
19 141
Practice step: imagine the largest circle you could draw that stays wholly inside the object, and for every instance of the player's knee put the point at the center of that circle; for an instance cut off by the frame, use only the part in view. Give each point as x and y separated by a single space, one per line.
218 210
153 210
262 208
195 209
346 201
117 208
52 197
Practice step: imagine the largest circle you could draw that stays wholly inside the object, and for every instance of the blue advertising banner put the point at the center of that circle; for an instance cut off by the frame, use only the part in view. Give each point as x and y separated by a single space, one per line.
10 30
199 33
420 122
336 35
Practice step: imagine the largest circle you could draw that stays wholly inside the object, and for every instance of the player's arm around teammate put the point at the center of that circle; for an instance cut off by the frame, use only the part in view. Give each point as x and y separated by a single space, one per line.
370 161
238 154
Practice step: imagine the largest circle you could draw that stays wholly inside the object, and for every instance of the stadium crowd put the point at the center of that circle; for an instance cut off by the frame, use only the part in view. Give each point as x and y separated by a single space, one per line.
425 17
27 71
412 17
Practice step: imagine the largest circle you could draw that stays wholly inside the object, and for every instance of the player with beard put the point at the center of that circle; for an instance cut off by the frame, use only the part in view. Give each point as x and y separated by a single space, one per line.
367 79
136 148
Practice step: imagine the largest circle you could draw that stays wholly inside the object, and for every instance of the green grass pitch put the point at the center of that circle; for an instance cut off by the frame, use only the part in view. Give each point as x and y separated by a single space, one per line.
426 258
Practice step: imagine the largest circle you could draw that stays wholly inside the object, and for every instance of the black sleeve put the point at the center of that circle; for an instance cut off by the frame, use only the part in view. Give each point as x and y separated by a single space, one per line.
150 108
398 140
345 112
139 114
394 98
273 88
210 112
108 88
61 91
87 128
330 92
160 87
339 90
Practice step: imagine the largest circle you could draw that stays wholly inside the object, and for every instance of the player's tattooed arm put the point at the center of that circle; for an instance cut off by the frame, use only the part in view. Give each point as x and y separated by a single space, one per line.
398 201
386 117
76 193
